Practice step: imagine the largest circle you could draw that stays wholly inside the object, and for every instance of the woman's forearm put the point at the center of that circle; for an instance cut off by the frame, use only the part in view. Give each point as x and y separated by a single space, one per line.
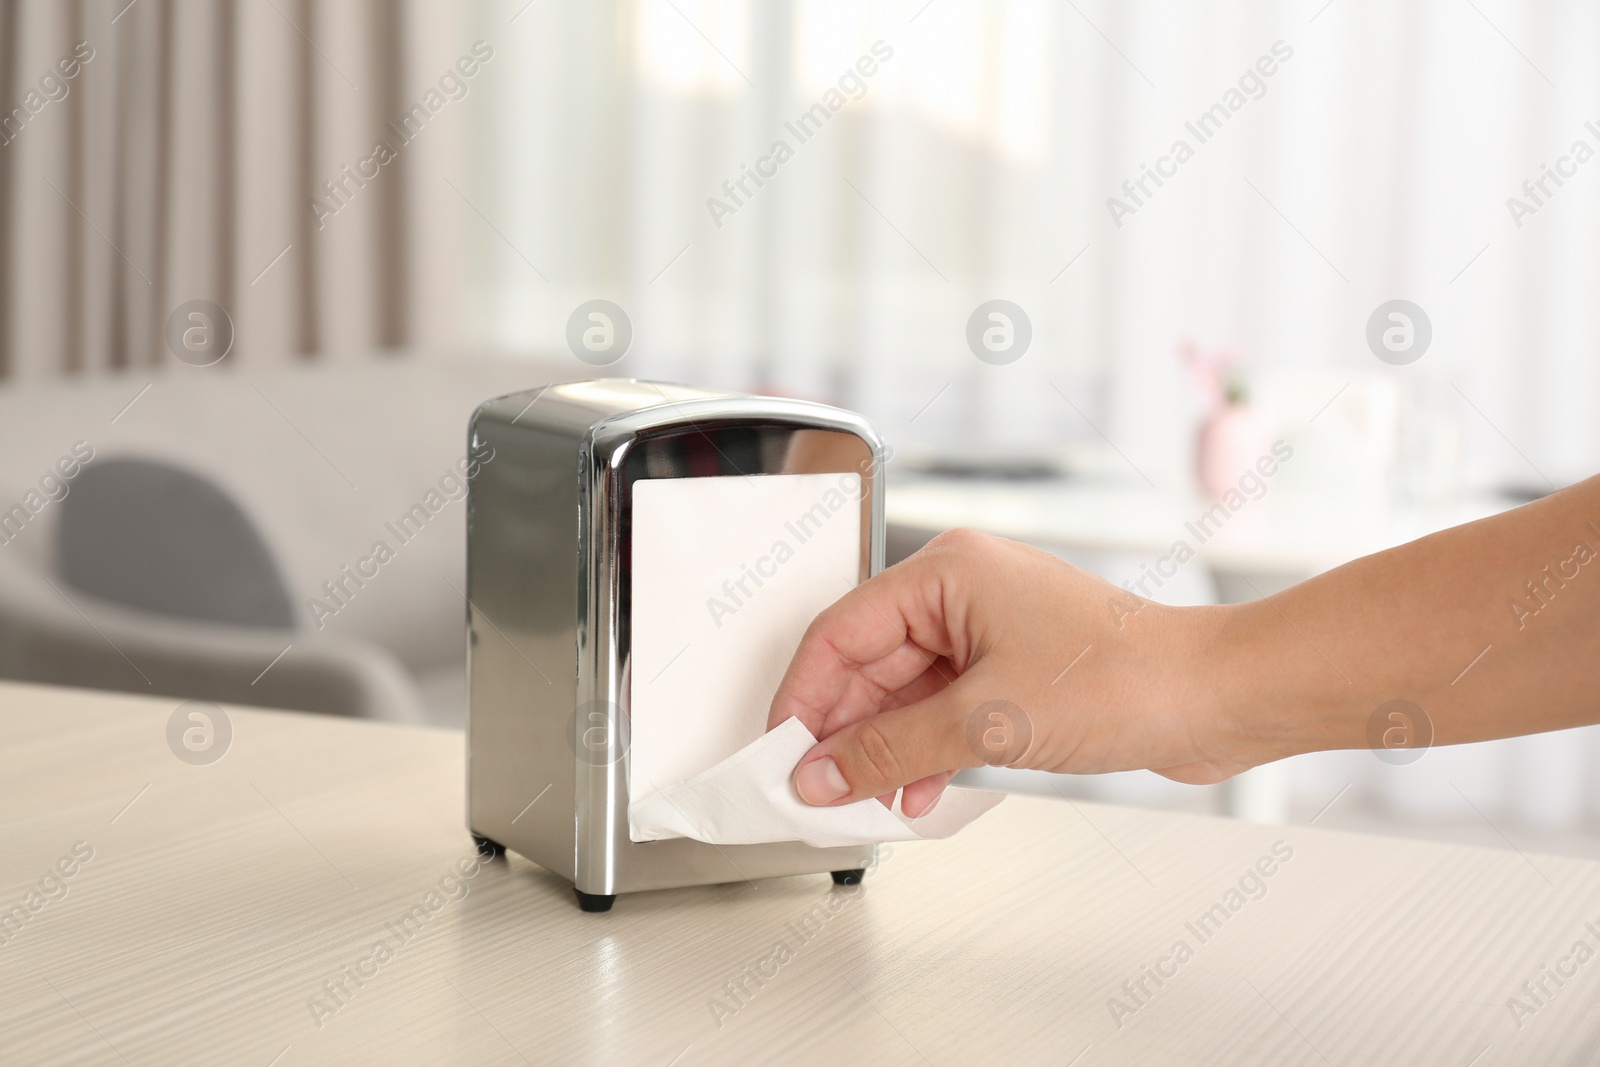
1491 629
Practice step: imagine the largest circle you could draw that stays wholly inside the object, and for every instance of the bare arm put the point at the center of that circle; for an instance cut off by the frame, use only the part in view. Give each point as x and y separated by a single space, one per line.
1492 629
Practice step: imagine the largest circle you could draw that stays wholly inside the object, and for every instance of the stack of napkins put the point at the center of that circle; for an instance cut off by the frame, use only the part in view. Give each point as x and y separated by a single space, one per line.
749 798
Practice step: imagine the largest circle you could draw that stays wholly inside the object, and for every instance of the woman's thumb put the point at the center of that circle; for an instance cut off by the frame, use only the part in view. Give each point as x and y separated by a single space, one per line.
890 749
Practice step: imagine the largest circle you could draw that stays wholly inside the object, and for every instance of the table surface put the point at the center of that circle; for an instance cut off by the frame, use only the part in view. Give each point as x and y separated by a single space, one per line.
219 900
1294 534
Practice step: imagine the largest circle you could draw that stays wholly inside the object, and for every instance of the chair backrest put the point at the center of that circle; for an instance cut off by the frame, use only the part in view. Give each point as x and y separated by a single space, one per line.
165 540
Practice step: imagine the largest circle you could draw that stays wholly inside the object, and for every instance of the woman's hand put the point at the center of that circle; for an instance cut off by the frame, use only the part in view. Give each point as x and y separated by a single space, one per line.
981 650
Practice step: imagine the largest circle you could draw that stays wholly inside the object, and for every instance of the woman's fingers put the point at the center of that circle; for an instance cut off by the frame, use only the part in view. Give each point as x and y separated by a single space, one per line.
879 638
892 749
918 798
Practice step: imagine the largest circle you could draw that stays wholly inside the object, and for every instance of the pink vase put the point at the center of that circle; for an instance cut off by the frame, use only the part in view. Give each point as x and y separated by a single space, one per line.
1231 439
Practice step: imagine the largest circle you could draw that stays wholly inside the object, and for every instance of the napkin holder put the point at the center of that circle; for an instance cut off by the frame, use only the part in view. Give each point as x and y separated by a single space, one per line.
548 611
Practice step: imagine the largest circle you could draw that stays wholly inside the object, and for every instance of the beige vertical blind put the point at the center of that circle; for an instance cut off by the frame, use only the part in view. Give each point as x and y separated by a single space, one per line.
160 151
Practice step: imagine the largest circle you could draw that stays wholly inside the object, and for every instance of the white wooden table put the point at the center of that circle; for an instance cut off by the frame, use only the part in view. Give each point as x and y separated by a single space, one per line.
221 900
1291 535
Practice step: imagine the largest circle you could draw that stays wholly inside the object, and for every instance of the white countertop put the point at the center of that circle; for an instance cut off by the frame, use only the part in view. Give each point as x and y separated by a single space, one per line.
221 902
1290 533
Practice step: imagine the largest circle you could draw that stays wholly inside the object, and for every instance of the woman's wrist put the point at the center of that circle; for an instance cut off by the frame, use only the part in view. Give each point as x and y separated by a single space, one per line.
1264 689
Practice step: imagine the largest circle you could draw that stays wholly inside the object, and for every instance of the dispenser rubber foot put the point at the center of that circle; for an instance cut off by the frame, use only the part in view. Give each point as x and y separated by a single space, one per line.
595 901
849 877
487 848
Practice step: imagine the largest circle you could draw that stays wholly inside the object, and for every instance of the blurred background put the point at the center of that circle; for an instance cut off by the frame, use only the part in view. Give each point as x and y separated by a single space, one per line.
1085 264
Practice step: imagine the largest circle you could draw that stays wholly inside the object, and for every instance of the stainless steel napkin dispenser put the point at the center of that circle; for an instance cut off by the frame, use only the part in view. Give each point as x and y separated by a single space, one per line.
549 591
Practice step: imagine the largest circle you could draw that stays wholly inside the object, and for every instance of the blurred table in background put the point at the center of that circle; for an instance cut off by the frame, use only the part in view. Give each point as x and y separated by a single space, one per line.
1294 536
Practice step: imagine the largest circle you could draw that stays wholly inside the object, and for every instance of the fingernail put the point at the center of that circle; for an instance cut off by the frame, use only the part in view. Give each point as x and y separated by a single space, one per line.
820 782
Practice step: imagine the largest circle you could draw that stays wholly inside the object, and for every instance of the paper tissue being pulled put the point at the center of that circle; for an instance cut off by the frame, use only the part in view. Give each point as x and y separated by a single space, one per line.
749 798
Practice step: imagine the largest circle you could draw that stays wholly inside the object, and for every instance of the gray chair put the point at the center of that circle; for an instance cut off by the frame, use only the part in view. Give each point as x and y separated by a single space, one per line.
191 550
155 537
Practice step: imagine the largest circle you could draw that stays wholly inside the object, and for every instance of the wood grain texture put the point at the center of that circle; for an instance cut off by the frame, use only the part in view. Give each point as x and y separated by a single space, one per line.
219 902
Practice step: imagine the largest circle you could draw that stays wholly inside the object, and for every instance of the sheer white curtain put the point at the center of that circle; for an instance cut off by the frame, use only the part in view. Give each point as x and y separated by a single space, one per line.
977 163
1370 156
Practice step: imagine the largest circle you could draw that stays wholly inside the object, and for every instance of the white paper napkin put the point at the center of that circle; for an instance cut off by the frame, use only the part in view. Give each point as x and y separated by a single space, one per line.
749 798
727 574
